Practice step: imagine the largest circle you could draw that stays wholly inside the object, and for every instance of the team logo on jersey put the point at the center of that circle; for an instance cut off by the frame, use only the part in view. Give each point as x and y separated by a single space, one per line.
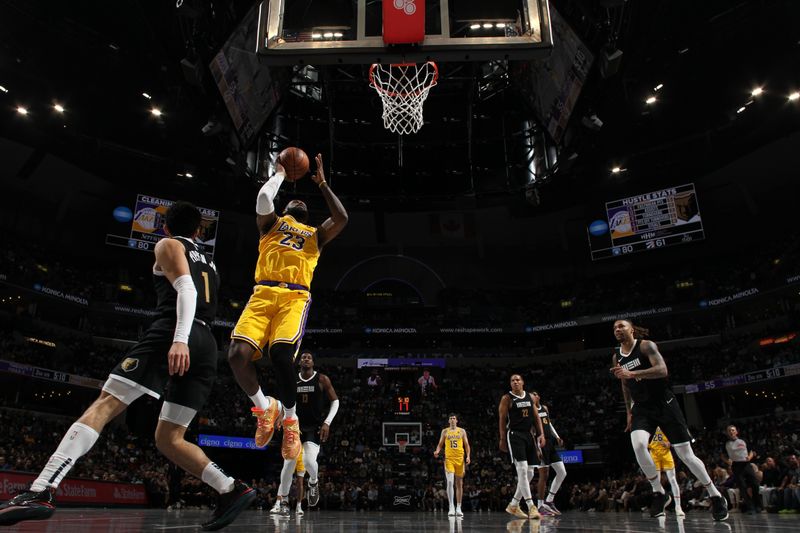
402 500
130 364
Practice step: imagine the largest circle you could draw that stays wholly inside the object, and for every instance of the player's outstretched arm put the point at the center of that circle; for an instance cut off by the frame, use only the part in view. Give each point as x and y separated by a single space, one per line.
327 386
171 260
441 443
333 225
501 425
265 201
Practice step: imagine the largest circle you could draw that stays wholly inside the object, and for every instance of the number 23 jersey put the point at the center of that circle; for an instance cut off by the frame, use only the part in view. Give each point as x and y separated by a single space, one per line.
288 252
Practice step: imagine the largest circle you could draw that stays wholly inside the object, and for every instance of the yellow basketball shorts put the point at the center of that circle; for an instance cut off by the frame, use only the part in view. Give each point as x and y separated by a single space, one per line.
663 460
454 465
273 314
299 467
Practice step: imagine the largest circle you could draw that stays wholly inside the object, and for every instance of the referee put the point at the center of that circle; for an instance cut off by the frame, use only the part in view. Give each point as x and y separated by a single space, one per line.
739 459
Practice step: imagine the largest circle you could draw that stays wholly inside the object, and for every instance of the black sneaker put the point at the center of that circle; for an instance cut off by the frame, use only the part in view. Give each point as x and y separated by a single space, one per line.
719 508
284 508
660 502
229 505
313 494
28 505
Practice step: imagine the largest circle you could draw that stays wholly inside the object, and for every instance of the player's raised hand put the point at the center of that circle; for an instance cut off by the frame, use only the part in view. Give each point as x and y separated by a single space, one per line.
178 358
319 174
324 431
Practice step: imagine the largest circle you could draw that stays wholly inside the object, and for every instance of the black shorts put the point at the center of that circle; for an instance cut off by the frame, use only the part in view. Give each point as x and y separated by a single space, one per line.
146 365
665 414
521 447
310 435
549 453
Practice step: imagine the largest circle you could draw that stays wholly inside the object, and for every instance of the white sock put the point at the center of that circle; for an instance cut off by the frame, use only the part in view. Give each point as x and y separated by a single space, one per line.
214 477
289 412
78 440
515 501
640 440
259 400
561 474
286 477
676 490
450 476
686 454
523 488
310 452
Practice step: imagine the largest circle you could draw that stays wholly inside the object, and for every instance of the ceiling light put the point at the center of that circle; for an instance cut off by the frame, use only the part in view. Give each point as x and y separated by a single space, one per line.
500 25
3 89
794 96
338 34
487 25
757 91
474 26
147 96
22 110
658 87
189 175
58 107
156 112
740 110
616 170
651 100
316 36
328 34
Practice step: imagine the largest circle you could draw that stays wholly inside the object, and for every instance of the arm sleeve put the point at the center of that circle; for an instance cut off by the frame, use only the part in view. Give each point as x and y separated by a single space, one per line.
186 307
332 413
266 196
554 430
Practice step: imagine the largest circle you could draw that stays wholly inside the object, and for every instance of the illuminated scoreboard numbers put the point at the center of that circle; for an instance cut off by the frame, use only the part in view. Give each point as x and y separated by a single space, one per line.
402 405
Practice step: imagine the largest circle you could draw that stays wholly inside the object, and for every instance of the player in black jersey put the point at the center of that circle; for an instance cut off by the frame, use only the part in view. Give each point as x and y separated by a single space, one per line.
550 459
517 420
178 353
650 403
312 389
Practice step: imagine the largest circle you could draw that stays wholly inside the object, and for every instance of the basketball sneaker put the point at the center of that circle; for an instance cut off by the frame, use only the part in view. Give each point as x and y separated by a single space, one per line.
551 506
659 503
679 512
313 494
284 511
516 511
299 511
291 439
276 509
28 505
459 512
265 422
533 514
719 508
229 505
544 510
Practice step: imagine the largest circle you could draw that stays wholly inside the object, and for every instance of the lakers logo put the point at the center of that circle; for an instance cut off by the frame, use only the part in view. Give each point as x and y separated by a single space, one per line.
130 364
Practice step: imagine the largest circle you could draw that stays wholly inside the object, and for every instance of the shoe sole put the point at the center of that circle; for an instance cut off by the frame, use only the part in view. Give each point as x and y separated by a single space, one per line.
520 515
721 518
313 500
12 515
244 501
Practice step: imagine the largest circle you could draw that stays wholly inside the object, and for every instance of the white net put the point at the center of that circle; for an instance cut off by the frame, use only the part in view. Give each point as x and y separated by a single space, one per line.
403 89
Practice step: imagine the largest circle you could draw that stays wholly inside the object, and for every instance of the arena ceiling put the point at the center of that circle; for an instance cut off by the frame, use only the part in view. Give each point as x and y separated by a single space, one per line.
98 59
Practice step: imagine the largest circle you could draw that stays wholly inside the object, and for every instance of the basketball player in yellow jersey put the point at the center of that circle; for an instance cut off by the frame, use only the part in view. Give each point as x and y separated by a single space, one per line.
273 322
662 456
455 442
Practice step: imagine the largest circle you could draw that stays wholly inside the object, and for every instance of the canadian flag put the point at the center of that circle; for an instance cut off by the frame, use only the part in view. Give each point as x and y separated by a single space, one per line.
453 225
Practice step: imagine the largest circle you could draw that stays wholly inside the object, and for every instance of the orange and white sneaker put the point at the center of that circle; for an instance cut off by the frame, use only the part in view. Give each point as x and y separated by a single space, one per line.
265 422
291 439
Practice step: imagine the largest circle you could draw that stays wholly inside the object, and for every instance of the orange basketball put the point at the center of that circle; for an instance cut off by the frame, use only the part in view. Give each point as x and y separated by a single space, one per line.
295 161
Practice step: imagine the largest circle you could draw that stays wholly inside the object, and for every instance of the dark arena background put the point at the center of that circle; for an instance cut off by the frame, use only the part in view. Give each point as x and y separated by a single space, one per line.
577 163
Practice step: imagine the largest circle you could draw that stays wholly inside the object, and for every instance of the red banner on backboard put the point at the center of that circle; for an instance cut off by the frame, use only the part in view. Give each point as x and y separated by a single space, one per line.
403 21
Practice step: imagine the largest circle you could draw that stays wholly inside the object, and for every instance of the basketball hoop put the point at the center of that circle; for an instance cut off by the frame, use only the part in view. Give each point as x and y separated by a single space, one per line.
403 88
401 446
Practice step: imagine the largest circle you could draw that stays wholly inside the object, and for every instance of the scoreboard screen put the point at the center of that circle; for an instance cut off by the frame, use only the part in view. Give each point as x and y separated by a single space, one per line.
647 221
